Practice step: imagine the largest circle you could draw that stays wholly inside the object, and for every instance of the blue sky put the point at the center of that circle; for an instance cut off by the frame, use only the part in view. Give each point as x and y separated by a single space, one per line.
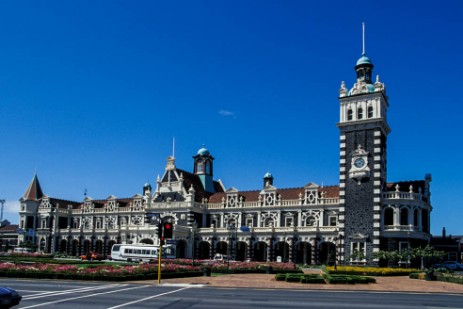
93 92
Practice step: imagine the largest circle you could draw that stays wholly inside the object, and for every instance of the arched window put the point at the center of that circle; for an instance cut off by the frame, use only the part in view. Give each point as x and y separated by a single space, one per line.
404 216
269 222
425 220
231 222
370 112
310 221
389 216
359 113
350 114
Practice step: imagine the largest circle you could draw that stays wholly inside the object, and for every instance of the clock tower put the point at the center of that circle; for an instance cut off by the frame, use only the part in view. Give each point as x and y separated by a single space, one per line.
363 134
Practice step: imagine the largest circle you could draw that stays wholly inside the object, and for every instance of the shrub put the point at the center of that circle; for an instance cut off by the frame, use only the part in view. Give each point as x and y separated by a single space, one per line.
370 271
313 278
348 279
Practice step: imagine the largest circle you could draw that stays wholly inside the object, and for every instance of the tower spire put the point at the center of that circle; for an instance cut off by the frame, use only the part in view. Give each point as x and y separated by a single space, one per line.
34 191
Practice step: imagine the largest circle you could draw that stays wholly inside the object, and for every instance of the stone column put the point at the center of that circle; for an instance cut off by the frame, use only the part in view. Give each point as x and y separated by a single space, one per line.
269 249
211 248
314 251
249 248
291 247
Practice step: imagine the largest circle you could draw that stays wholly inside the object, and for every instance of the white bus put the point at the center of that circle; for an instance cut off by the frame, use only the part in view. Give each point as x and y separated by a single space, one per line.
141 252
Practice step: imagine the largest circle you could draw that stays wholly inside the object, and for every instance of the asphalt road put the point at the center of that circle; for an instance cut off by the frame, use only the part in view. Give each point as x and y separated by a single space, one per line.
79 294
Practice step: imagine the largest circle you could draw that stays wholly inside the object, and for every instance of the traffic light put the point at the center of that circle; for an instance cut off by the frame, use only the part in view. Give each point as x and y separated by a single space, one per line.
168 229
159 230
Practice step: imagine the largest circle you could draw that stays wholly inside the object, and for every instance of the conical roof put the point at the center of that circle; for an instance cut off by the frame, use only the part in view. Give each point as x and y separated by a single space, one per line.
34 191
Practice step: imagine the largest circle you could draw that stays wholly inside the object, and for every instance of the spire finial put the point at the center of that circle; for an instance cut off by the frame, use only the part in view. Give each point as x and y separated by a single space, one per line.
363 38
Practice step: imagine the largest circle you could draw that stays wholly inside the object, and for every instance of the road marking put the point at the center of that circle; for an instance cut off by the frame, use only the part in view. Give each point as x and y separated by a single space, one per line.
84 289
84 296
147 298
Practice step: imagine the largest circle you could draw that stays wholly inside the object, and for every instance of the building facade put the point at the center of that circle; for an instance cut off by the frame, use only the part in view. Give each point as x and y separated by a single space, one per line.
311 224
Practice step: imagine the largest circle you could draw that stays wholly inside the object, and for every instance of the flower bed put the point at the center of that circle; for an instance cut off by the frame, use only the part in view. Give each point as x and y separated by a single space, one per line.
103 272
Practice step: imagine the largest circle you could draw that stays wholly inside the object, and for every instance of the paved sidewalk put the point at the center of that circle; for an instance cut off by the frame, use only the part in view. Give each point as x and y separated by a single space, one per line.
265 281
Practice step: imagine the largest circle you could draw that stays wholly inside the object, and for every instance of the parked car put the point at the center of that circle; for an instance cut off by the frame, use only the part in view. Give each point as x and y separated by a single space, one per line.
220 257
450 265
9 298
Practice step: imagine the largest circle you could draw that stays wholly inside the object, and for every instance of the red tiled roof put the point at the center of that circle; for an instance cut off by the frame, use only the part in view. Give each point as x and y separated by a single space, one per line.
9 228
404 186
63 204
286 194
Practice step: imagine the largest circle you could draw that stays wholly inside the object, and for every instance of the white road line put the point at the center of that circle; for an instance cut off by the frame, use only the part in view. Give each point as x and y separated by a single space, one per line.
84 296
147 298
85 289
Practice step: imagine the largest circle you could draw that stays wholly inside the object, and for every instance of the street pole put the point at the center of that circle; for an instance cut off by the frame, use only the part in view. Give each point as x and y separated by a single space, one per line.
193 250
2 201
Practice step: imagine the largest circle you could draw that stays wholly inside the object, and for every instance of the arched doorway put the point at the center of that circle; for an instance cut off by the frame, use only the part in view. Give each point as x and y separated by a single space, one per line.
240 251
327 253
111 243
75 247
99 246
63 244
86 246
222 248
42 244
303 253
203 250
282 250
260 251
181 249
147 241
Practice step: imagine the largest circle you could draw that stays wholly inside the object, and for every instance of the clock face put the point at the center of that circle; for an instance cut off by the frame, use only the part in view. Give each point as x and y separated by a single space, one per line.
359 162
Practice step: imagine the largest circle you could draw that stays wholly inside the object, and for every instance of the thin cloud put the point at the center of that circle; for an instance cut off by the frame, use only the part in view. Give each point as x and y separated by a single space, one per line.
226 113
11 207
